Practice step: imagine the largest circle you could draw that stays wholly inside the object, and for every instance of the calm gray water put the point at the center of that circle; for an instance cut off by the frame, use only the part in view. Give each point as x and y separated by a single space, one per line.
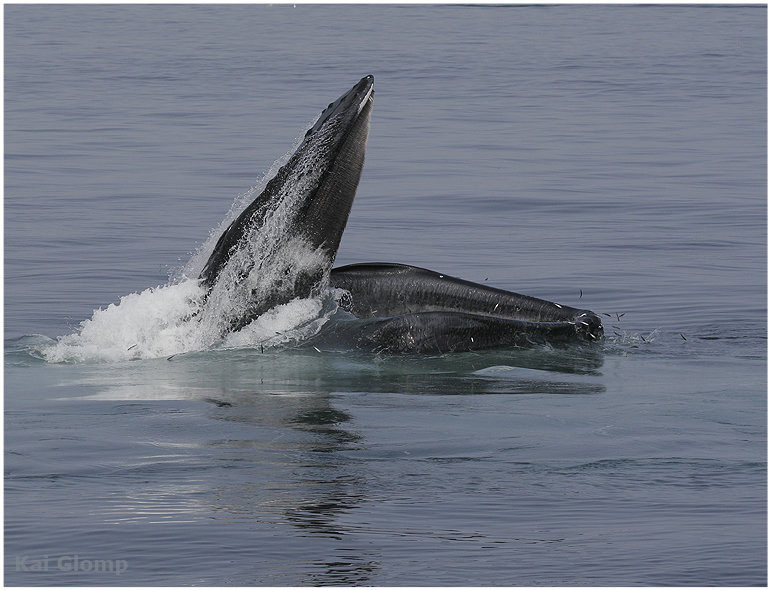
617 152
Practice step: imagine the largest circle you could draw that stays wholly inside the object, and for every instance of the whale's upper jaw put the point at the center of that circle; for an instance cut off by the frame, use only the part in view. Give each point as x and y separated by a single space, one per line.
317 183
348 105
337 143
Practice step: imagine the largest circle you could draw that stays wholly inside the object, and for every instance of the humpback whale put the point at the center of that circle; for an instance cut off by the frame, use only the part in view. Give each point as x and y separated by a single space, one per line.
419 310
283 244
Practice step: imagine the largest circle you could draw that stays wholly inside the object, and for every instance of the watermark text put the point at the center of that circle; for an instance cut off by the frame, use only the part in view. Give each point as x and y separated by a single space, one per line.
71 563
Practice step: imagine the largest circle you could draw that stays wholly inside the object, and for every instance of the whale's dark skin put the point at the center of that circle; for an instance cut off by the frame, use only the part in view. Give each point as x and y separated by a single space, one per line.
303 211
319 183
413 309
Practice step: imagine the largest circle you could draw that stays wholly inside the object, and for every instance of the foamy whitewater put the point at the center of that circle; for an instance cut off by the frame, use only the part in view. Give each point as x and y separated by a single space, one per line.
181 317
159 322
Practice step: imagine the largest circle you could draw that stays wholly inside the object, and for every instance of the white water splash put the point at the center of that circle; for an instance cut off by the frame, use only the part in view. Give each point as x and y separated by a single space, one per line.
153 323
161 322
304 317
180 317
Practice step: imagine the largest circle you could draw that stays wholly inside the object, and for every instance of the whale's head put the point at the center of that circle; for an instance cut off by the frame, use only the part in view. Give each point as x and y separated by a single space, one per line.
282 244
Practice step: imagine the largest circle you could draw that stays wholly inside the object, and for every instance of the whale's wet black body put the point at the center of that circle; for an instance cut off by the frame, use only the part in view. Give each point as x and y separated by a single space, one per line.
412 309
283 245
307 202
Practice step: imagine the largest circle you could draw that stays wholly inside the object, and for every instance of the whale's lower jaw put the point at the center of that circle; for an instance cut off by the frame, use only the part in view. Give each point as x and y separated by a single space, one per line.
439 332
413 309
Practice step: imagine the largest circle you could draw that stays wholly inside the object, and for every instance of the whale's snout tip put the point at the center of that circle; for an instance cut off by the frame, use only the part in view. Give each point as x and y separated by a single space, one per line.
589 326
349 105
365 84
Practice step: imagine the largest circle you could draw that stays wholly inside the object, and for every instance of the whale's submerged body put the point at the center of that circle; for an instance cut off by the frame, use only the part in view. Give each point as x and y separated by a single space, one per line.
283 245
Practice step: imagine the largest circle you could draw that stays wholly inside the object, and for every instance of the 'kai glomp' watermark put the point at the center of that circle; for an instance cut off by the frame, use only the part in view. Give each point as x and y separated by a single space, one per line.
71 564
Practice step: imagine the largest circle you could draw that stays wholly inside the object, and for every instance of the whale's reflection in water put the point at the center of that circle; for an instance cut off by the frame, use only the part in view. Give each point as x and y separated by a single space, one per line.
295 476
231 377
270 445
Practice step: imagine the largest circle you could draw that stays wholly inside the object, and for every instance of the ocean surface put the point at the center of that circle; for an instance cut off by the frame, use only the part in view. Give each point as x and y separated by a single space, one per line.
604 157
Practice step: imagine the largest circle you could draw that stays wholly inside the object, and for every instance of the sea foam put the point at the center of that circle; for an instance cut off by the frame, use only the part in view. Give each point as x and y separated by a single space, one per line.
182 317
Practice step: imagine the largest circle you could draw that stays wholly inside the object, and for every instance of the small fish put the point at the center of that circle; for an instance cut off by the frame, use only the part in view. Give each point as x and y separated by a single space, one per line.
134 346
557 305
172 356
316 349
218 403
642 337
609 315
496 306
683 338
581 294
